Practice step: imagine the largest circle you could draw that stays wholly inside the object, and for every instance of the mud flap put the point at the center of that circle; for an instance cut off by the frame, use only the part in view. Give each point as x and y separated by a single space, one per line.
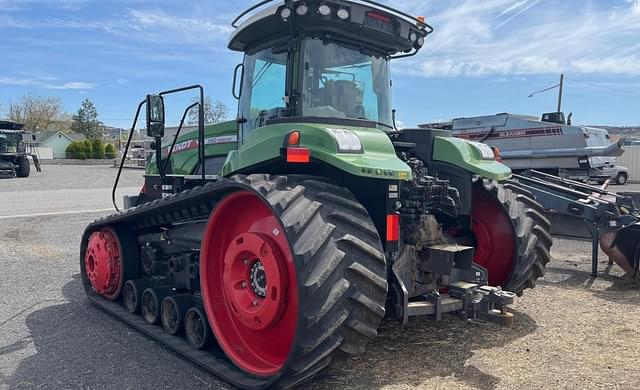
623 247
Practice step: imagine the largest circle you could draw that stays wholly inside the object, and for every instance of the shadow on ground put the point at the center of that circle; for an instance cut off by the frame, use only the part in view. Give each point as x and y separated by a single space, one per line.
622 288
79 346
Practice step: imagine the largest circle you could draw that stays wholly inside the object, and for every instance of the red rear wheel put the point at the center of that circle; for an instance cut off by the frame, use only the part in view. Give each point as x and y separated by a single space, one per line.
495 237
103 263
249 285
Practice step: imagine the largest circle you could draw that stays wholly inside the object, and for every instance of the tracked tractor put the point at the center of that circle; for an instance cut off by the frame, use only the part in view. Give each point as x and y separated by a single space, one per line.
15 151
266 248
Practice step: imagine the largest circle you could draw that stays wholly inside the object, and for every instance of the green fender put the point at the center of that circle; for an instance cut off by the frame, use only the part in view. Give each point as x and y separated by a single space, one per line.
378 159
468 155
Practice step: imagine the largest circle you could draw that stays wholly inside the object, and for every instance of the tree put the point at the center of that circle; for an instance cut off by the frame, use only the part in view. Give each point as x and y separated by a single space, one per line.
36 112
213 112
86 122
109 151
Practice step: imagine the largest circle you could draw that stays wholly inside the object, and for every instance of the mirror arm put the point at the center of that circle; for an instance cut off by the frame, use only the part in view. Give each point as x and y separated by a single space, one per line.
201 144
163 176
124 155
175 138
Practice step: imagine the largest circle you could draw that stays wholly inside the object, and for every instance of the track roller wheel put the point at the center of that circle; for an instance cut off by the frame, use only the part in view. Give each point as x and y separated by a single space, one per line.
104 264
196 328
174 310
151 301
132 294
293 274
512 235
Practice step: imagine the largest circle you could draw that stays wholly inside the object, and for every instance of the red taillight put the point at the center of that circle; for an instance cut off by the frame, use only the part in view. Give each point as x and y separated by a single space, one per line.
393 227
294 138
379 17
298 155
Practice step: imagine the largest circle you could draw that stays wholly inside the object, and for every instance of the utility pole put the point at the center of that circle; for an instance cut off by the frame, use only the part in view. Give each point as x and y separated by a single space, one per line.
560 94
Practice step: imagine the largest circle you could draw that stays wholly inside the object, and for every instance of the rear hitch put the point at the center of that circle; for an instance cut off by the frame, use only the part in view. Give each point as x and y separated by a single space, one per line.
483 304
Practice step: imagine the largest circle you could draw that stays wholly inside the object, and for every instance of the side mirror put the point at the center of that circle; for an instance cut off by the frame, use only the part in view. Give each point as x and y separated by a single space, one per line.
237 86
155 116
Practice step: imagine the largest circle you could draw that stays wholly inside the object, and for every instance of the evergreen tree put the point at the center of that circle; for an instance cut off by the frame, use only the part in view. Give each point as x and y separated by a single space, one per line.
86 122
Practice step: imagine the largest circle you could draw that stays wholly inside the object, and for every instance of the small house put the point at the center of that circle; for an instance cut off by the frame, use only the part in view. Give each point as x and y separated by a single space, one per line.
53 144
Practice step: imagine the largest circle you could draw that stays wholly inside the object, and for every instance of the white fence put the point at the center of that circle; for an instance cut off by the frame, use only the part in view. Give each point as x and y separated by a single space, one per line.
631 160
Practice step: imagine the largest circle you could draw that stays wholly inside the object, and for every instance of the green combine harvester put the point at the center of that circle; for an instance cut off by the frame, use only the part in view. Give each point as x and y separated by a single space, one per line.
266 248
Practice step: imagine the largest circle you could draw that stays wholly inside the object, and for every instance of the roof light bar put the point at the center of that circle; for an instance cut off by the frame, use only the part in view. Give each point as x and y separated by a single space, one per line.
324 10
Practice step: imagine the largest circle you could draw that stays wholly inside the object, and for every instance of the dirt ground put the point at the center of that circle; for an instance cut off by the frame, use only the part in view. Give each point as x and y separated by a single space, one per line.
571 332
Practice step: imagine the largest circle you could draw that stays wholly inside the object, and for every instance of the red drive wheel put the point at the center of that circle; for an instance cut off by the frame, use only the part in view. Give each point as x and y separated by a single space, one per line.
103 263
495 237
249 286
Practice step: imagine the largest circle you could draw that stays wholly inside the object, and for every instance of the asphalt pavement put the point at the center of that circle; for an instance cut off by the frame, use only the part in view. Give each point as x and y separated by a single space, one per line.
50 336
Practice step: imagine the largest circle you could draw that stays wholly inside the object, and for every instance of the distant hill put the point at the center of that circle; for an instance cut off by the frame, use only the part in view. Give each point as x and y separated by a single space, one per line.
622 132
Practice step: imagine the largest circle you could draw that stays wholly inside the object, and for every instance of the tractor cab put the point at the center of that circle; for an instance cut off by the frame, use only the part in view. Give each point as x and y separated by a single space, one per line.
320 62
554 117
11 137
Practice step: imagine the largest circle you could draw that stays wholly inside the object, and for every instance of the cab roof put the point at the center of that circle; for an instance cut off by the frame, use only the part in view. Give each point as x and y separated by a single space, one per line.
371 25
10 127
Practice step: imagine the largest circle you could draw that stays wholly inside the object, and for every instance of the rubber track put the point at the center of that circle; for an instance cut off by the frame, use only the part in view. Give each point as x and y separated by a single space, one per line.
342 286
532 228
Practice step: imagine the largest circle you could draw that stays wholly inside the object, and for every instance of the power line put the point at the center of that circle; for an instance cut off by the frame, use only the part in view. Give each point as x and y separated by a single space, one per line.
597 85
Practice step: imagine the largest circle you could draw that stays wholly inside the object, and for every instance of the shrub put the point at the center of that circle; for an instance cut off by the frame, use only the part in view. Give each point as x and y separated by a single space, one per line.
109 151
72 151
98 148
88 148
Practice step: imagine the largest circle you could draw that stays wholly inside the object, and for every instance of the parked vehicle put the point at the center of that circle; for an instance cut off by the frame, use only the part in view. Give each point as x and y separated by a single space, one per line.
268 247
549 145
15 151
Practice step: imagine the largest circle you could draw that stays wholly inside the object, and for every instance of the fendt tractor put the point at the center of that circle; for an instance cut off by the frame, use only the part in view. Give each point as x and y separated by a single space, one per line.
266 248
15 152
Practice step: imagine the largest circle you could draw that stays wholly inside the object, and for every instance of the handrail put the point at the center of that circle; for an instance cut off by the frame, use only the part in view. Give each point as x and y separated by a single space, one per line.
234 24
387 8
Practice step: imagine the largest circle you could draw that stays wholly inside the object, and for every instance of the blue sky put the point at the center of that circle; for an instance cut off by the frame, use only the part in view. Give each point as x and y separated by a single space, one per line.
484 57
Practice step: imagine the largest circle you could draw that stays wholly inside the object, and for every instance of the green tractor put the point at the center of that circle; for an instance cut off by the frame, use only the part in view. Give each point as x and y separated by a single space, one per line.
266 248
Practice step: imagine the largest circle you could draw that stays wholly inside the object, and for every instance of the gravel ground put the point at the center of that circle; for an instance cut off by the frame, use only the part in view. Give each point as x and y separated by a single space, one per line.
571 332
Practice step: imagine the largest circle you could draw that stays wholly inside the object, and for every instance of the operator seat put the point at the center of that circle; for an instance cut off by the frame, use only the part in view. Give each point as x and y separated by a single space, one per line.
345 96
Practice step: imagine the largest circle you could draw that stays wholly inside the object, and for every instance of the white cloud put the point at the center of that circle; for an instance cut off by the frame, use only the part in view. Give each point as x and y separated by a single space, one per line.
73 85
142 25
520 12
25 82
46 82
161 27
512 8
472 38
635 6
